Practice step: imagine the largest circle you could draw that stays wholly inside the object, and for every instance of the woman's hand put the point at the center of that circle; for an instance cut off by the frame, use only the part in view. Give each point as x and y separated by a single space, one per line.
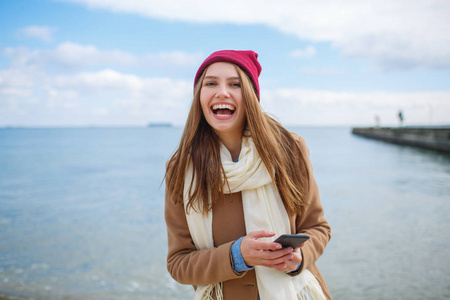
268 254
292 264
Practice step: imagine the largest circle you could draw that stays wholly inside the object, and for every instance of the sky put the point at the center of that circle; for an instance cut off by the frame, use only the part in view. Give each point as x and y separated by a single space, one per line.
66 63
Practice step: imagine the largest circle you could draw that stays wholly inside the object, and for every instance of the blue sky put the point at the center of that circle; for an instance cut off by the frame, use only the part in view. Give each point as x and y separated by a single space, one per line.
129 63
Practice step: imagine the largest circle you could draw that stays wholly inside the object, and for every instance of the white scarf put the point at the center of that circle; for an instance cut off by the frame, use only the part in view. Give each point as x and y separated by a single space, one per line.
263 210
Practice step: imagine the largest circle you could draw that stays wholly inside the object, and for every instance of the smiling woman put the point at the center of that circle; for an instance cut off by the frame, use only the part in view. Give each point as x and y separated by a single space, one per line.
237 181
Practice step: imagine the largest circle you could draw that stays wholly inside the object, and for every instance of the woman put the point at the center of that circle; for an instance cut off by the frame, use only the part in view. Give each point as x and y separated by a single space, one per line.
236 182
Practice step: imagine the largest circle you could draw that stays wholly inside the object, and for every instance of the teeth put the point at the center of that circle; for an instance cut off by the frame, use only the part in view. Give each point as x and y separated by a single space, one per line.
223 106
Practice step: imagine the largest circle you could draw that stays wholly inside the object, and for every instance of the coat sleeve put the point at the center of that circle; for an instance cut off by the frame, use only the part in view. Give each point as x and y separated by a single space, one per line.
312 221
185 263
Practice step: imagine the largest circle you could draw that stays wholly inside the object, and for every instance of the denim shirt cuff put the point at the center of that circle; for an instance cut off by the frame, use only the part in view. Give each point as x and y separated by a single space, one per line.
238 260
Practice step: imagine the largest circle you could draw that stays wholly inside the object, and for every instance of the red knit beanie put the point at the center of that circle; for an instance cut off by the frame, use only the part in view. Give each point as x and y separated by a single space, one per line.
246 60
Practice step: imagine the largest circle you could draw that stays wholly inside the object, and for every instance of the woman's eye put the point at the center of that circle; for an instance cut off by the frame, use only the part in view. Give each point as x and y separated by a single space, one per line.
236 84
209 83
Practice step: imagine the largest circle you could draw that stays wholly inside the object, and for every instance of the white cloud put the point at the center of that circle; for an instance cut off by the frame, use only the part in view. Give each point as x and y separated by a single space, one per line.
32 95
395 34
16 77
42 33
105 81
74 84
316 107
308 52
74 56
150 92
71 54
174 58
16 87
109 97
15 92
104 97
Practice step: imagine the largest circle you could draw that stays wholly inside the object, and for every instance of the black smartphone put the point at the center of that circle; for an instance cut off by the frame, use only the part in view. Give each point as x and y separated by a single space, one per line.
291 240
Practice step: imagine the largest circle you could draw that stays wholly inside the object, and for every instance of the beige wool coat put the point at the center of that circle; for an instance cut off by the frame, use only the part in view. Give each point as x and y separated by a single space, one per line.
187 265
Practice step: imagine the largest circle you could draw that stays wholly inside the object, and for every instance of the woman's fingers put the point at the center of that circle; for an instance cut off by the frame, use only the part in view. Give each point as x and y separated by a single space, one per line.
255 235
256 252
268 258
290 264
252 241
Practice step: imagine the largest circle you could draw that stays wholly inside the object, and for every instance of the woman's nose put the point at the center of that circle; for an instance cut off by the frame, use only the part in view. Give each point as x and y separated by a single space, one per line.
222 91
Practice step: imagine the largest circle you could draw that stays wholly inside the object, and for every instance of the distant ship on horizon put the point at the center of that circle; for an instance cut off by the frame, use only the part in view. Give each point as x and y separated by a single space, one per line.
160 124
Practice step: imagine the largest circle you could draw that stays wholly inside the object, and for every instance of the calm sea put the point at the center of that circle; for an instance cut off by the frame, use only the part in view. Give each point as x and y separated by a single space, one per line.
81 215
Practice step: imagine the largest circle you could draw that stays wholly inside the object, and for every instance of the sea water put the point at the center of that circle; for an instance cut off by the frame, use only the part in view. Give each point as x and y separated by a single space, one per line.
81 215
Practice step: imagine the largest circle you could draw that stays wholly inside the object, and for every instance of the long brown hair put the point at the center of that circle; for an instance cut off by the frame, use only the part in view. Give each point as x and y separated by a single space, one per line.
279 151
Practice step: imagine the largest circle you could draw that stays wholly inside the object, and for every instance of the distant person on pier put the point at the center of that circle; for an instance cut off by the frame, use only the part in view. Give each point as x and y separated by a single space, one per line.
237 181
400 117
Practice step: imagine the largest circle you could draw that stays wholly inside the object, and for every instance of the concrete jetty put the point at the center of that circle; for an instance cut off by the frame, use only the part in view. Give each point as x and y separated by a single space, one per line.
436 138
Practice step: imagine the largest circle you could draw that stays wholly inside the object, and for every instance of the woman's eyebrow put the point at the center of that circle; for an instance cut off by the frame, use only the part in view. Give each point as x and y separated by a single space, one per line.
229 78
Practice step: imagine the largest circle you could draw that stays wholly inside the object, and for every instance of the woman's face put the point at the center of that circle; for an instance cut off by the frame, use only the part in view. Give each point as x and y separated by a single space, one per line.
221 99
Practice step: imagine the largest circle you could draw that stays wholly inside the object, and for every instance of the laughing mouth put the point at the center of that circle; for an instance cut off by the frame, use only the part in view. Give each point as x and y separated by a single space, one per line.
223 110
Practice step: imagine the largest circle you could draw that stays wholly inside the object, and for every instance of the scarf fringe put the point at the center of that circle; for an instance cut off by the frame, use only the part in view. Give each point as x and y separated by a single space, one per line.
208 293
311 291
